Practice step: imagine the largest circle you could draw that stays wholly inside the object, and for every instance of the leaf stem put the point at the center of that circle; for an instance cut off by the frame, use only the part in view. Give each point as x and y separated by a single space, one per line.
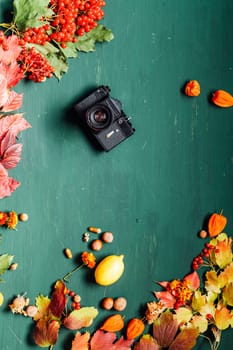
66 277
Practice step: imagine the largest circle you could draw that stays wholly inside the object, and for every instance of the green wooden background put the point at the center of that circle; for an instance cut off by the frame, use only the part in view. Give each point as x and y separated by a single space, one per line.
155 189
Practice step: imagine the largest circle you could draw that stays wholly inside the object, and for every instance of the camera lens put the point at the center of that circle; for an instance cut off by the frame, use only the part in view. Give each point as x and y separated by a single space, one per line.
98 117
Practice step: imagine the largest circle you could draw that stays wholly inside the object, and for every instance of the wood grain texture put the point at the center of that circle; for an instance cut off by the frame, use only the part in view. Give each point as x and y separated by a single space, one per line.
155 189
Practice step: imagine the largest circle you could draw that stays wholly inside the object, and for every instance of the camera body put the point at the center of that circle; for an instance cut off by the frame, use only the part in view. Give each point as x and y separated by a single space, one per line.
102 117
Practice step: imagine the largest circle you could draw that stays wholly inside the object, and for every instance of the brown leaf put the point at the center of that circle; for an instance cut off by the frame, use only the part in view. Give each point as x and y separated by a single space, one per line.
185 340
165 329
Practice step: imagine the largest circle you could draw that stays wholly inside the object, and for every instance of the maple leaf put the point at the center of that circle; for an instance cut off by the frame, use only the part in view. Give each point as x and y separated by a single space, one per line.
7 184
147 342
165 329
46 332
4 92
80 318
9 56
58 299
226 276
185 340
80 341
122 344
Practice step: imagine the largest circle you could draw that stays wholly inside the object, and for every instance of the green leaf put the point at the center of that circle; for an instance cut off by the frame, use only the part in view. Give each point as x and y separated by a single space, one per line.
46 49
5 261
59 62
87 42
28 13
70 51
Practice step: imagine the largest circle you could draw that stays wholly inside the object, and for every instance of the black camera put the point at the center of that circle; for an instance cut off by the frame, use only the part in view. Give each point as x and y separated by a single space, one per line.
102 117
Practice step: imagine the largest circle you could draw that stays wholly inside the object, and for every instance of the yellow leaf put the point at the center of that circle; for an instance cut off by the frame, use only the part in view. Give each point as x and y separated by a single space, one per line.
42 304
223 318
212 282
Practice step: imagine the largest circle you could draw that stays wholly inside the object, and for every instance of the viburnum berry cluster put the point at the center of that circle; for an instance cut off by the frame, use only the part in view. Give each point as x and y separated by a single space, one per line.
34 64
71 18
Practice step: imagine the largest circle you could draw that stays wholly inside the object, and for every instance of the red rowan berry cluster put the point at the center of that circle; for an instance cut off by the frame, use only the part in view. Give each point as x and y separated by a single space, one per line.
201 258
35 65
71 18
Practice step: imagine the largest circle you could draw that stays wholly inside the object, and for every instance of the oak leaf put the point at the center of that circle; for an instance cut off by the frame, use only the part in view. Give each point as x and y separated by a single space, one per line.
80 341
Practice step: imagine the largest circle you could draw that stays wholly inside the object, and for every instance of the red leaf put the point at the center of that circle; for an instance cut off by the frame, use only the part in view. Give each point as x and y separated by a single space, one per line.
7 140
165 329
46 332
4 92
122 344
166 298
10 55
185 340
80 341
106 341
15 123
14 101
102 341
12 73
11 156
58 300
7 184
193 280
146 343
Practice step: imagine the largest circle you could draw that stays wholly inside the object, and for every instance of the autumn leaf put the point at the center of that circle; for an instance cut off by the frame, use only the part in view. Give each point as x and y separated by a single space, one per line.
192 280
223 317
199 322
46 332
107 341
122 344
10 55
7 184
58 299
185 340
226 276
212 282
42 303
80 341
15 123
167 298
147 342
165 329
80 318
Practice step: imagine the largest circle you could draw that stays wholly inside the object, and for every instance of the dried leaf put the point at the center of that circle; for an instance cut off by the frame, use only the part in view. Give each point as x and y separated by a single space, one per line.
165 329
11 156
42 303
185 340
146 342
58 299
80 318
46 332
15 123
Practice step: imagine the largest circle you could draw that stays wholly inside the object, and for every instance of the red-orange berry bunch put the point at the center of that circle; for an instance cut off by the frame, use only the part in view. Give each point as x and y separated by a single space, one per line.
35 65
201 258
71 18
